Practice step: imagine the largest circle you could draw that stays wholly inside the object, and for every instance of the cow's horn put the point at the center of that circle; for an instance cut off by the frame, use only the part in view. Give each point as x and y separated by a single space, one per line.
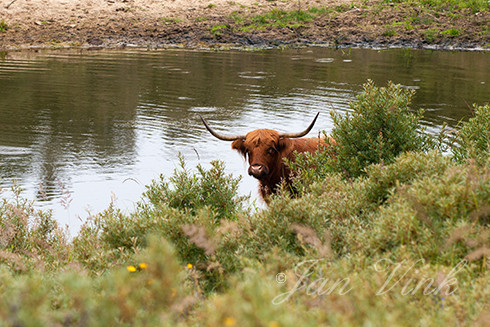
220 136
303 133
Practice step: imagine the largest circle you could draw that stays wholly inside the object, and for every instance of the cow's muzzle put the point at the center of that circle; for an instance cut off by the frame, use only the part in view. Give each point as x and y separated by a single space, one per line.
258 171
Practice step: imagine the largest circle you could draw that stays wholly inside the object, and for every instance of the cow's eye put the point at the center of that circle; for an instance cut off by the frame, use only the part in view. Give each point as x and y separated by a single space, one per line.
271 151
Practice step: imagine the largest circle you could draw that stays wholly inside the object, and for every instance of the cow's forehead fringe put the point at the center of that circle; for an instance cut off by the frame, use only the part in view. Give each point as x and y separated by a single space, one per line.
262 136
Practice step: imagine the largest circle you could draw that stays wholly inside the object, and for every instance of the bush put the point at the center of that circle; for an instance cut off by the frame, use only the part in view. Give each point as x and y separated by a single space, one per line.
189 191
191 254
196 213
3 26
382 181
379 128
249 303
150 291
441 218
25 232
474 136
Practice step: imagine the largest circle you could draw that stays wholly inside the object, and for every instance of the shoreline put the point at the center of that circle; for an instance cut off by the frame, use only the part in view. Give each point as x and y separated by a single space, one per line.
271 45
200 24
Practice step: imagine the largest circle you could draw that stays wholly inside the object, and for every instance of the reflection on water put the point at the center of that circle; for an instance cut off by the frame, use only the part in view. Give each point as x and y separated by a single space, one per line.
76 126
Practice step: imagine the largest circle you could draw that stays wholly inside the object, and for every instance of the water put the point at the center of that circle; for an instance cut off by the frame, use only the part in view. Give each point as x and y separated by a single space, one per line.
79 128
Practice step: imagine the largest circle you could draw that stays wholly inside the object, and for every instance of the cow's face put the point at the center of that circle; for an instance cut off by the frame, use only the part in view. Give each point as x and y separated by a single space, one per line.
264 149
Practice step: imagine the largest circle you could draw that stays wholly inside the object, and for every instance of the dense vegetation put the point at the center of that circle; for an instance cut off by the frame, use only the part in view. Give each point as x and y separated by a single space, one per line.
389 226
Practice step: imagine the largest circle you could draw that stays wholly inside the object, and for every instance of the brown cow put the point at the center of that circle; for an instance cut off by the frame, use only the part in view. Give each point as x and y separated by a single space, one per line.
266 150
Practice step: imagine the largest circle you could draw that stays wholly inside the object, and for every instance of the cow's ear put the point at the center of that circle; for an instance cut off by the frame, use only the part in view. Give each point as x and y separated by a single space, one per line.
239 145
283 143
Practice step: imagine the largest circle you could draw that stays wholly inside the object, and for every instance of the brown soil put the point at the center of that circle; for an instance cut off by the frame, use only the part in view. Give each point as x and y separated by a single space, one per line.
189 23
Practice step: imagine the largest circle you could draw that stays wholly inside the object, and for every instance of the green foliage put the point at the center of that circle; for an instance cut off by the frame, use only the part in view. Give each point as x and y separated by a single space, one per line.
350 208
474 138
282 18
217 30
192 191
379 128
248 302
430 35
427 17
389 32
375 248
451 32
273 18
171 20
474 5
191 210
23 229
3 26
382 180
153 293
445 216
319 10
352 290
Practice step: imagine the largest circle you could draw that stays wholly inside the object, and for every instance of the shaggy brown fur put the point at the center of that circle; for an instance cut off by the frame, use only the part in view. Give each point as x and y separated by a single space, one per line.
266 150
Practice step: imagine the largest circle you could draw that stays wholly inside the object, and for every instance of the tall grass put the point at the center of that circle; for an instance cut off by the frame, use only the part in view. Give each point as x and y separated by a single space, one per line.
399 240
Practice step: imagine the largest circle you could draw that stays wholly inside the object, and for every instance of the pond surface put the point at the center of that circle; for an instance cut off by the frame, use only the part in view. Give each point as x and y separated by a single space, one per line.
78 128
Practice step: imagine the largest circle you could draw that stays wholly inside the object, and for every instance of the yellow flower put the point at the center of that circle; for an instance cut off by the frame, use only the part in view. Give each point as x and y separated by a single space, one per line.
230 321
174 292
273 324
189 265
143 265
131 268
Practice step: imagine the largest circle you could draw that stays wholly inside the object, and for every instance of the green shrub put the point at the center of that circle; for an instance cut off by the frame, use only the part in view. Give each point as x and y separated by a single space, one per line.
346 208
379 128
190 191
248 302
275 227
190 211
451 32
474 5
282 18
217 30
382 180
154 282
107 239
3 26
438 218
354 291
151 290
389 32
430 35
25 231
191 254
198 240
310 167
473 138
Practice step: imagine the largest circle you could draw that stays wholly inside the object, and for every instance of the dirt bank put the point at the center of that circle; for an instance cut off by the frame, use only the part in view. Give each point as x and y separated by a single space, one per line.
213 23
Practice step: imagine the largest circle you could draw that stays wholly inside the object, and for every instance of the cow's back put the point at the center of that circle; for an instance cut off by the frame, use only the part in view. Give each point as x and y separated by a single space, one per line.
310 144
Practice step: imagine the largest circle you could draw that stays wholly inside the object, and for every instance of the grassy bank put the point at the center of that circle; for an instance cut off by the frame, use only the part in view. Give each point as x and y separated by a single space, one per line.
448 24
383 228
413 22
